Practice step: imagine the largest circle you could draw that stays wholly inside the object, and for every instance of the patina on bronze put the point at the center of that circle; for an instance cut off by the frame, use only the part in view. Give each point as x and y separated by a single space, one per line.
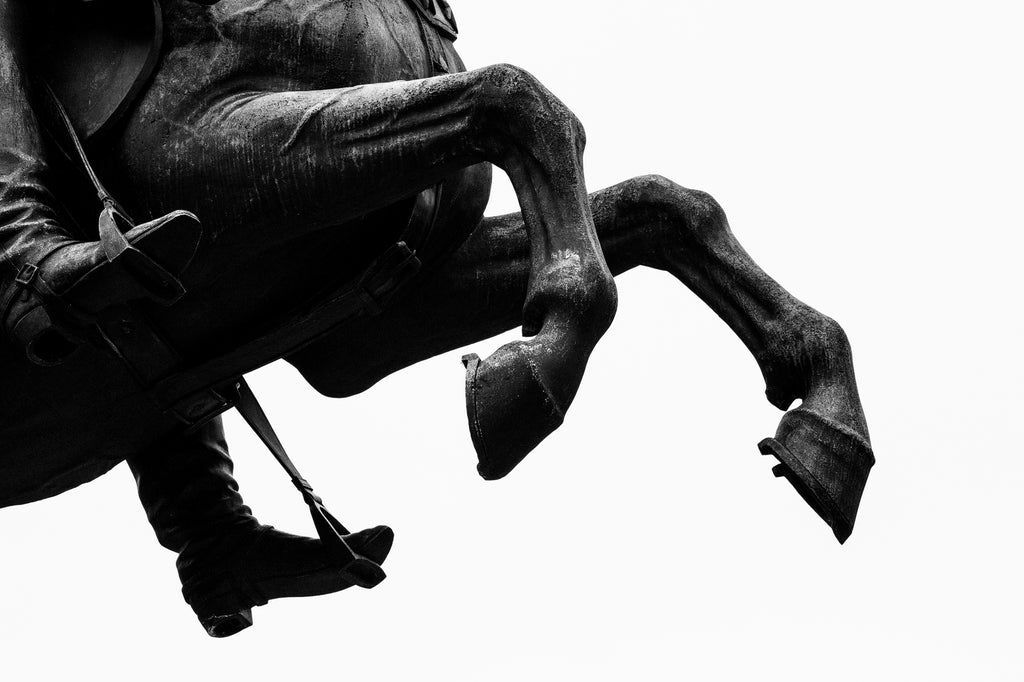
342 189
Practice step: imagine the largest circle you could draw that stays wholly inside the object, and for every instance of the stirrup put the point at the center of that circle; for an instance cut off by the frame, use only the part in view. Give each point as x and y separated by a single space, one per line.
358 569
223 596
156 272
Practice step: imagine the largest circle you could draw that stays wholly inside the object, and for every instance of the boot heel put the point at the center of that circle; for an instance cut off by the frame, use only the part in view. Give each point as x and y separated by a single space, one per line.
222 605
227 625
364 573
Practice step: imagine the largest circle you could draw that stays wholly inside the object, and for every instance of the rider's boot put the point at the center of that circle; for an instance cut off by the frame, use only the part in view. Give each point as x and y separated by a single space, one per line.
50 281
227 561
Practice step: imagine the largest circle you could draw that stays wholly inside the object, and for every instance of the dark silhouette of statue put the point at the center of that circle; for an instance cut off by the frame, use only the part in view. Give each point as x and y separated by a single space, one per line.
341 186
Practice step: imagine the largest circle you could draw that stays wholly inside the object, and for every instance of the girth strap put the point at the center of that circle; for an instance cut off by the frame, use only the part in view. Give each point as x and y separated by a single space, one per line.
185 392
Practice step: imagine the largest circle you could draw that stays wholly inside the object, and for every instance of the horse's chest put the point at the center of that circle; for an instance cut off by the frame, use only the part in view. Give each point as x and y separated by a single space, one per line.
340 42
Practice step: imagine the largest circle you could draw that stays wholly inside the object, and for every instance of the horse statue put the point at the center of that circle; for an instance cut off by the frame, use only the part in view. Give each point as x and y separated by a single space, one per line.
340 155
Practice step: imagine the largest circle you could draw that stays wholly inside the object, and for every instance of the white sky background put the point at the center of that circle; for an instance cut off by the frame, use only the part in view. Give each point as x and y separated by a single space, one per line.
869 157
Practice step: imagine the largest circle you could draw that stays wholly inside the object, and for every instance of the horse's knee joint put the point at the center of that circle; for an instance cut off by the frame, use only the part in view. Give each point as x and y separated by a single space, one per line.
596 298
603 300
655 189
513 96
698 210
506 86
701 210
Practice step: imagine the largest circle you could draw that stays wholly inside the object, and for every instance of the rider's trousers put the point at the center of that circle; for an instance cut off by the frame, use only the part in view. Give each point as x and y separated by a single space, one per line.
187 487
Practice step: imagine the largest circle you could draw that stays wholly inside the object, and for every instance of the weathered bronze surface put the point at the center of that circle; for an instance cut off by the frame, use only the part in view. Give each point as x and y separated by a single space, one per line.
311 139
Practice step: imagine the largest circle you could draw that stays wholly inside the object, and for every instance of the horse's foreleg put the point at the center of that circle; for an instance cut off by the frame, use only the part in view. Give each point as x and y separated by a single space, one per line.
349 151
823 445
646 221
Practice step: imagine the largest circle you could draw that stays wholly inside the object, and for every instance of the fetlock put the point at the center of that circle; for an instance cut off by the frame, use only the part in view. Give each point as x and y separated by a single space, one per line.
810 357
822 446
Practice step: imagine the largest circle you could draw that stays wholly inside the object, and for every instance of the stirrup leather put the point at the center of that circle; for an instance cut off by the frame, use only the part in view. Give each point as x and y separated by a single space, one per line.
359 570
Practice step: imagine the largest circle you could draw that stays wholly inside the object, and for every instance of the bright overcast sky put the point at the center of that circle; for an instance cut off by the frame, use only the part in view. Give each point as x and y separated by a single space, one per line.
869 158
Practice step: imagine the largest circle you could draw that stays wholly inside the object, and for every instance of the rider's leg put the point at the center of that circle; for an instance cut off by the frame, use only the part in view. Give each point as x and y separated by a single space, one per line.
227 561
645 221
37 255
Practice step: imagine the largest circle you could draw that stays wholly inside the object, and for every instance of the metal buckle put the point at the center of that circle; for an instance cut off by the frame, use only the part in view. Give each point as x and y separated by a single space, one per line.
202 406
27 273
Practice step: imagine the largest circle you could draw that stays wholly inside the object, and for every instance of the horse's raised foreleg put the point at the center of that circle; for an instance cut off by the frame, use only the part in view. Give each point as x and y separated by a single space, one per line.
349 151
646 221
823 444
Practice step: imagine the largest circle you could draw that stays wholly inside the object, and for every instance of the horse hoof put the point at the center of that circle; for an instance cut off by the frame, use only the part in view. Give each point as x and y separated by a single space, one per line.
227 625
510 409
826 461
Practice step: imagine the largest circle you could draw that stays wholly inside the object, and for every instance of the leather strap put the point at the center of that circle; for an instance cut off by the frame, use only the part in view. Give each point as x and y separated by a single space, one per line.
23 280
329 529
76 143
440 16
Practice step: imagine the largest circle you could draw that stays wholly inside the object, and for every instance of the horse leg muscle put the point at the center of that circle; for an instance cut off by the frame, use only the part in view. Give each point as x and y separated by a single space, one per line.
339 154
645 221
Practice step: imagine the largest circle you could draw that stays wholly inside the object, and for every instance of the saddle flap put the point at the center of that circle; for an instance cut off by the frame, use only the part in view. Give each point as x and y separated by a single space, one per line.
97 56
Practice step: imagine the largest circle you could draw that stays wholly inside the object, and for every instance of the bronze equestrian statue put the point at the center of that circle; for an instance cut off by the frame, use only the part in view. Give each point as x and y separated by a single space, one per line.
339 155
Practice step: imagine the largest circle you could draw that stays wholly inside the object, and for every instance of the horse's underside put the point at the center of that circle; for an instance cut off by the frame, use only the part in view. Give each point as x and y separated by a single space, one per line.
300 132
